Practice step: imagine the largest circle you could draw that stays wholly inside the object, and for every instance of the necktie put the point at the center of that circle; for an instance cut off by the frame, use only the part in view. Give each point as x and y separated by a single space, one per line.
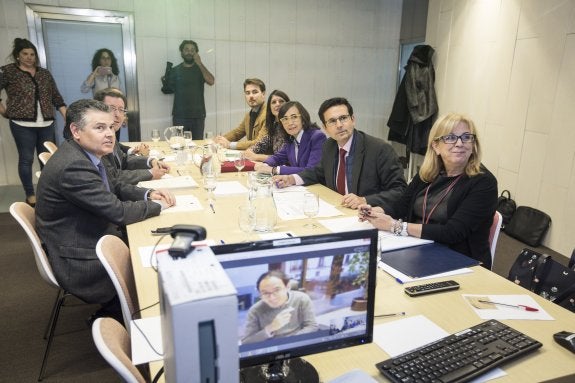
340 180
103 174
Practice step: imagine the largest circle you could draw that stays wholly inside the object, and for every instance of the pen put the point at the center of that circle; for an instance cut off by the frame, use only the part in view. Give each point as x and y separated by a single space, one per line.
212 207
222 242
521 307
178 170
399 281
400 314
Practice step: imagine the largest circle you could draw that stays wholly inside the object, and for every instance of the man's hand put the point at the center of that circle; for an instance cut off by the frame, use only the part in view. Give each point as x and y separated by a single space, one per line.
142 149
280 320
222 141
159 164
164 197
352 201
284 181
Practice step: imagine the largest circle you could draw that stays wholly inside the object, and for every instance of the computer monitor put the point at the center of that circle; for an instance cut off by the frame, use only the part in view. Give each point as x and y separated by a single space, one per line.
300 296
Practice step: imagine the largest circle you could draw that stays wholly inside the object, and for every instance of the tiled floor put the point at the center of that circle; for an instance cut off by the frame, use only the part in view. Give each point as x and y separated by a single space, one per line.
9 194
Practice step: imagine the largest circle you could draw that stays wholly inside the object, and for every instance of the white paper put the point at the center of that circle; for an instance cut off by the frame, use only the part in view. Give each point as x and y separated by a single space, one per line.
403 335
229 187
276 235
184 203
170 183
337 225
290 206
354 376
502 312
146 328
389 241
402 278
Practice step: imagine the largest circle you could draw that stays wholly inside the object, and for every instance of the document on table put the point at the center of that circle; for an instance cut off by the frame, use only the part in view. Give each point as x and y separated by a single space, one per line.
389 241
290 206
338 225
403 335
229 187
402 278
170 183
184 203
146 351
501 312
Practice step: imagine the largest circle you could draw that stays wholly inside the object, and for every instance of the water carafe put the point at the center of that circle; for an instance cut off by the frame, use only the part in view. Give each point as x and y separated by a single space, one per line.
206 158
266 213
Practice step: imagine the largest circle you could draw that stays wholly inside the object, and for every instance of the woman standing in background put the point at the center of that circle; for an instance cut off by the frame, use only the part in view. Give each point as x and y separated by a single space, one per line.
104 72
32 97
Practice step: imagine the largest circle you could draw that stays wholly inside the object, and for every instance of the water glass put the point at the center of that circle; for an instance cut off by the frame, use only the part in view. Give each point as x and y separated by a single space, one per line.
188 137
208 137
310 207
247 220
155 135
239 163
210 182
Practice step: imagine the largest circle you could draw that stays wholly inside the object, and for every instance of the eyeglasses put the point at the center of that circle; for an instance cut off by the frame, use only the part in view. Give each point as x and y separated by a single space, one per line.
292 118
274 292
333 121
452 138
118 110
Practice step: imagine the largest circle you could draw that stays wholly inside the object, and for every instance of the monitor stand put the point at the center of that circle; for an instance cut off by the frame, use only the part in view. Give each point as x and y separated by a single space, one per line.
294 370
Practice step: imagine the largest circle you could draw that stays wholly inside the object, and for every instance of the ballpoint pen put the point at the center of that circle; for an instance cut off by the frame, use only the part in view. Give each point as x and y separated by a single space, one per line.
400 314
212 207
520 307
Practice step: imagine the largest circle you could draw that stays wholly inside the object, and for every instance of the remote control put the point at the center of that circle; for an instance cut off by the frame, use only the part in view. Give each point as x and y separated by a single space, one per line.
430 288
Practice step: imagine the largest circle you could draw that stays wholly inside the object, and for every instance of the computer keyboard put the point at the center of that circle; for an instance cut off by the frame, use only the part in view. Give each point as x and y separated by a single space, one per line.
460 357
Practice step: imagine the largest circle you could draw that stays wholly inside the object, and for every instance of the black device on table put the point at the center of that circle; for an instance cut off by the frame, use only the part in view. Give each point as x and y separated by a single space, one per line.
429 288
565 339
462 356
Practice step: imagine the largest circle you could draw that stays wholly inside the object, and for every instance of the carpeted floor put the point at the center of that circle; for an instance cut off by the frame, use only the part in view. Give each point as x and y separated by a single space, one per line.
27 301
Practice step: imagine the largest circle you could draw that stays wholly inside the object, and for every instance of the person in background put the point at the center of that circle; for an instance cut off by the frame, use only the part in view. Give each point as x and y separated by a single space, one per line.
304 145
104 74
253 126
362 168
186 82
121 163
32 98
276 137
280 312
452 199
78 203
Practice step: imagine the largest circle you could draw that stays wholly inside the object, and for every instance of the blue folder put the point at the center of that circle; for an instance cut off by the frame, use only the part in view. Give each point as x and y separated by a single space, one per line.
421 261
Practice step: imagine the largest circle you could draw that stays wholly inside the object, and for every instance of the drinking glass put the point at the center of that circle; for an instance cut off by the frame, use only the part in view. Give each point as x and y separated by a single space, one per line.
209 137
210 182
188 137
155 135
247 220
239 163
310 208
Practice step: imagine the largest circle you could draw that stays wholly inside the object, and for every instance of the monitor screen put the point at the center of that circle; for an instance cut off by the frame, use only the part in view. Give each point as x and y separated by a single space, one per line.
301 296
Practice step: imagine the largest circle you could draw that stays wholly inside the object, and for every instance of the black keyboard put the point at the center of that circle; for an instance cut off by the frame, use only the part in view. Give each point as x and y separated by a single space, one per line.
460 357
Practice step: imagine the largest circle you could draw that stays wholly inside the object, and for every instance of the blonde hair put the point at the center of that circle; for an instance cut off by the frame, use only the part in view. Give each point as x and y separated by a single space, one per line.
432 163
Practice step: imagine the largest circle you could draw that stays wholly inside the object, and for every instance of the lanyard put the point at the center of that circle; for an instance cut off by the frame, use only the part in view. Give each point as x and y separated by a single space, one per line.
449 187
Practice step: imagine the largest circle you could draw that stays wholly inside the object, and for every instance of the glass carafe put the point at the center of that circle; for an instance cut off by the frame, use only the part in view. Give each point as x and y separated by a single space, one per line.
206 158
266 213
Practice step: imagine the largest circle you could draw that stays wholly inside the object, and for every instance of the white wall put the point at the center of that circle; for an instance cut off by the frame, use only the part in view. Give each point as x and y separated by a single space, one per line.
311 49
509 64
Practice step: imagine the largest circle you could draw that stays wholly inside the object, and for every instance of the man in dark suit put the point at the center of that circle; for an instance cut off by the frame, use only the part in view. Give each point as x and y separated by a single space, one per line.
122 163
78 202
360 167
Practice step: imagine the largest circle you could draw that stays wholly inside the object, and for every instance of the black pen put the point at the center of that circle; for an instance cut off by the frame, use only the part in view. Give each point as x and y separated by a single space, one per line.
212 207
400 314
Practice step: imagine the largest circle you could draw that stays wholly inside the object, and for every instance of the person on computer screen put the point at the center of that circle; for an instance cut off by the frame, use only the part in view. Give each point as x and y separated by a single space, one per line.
452 199
280 312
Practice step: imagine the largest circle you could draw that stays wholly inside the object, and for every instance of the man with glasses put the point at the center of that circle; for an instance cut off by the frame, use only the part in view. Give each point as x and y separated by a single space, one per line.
253 126
364 169
123 163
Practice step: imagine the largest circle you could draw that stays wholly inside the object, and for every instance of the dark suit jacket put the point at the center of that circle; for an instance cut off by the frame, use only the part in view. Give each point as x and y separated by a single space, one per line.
376 173
309 153
73 210
127 168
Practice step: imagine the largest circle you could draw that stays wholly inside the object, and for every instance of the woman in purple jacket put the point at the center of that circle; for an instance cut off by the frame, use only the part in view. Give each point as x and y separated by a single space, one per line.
303 146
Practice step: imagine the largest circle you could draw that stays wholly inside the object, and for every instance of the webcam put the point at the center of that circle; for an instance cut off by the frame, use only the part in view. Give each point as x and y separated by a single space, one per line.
183 236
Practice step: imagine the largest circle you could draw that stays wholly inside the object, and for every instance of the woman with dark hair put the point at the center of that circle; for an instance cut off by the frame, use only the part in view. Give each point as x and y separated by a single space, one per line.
452 199
276 137
32 97
104 72
303 147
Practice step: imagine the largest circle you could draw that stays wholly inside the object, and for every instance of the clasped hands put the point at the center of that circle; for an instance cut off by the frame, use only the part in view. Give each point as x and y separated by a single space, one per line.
376 216
158 169
164 197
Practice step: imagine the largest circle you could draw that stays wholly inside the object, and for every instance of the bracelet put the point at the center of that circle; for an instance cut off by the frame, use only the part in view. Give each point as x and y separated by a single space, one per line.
397 227
404 232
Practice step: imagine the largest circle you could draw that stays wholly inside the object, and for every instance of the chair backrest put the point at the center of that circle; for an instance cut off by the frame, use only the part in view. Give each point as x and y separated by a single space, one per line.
50 146
44 157
115 256
114 344
25 215
494 234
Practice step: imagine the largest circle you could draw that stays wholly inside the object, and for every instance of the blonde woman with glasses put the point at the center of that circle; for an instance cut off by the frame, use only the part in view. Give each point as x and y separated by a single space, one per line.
453 198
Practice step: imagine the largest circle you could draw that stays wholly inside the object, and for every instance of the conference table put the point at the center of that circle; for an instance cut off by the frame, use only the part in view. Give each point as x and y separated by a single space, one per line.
448 310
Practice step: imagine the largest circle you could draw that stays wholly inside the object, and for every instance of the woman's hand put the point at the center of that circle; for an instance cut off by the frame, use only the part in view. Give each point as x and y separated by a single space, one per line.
262 167
376 216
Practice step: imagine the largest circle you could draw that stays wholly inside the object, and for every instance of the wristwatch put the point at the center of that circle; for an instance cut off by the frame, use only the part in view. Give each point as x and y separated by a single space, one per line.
149 196
404 230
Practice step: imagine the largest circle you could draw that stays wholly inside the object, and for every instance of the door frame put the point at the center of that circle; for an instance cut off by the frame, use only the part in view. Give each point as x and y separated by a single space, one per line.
35 14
